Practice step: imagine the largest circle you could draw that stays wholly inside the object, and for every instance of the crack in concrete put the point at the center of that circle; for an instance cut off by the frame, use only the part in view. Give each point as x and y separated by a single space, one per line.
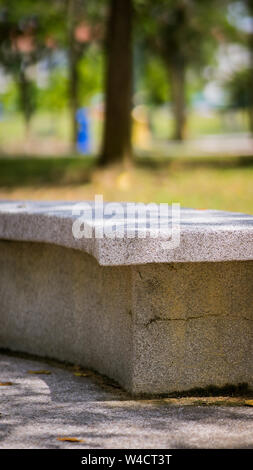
158 319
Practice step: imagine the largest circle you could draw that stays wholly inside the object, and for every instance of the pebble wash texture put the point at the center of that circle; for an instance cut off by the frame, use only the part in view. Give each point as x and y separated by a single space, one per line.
155 327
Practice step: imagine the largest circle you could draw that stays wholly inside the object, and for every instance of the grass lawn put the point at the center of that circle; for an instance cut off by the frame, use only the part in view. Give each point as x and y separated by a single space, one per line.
215 183
200 124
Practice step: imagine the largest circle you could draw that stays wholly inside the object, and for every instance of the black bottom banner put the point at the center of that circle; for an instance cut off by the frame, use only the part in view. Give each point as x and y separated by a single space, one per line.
116 459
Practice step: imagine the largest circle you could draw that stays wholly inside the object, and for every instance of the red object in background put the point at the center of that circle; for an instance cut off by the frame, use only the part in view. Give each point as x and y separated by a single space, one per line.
23 43
82 33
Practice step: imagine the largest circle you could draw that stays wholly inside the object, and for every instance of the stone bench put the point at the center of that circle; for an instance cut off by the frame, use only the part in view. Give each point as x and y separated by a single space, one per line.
155 317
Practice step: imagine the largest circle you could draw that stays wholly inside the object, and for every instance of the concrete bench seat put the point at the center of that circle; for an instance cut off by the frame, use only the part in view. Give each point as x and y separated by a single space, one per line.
155 318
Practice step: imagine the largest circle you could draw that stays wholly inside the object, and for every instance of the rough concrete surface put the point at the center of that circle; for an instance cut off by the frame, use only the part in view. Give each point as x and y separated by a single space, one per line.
155 319
154 328
60 303
193 325
38 409
205 235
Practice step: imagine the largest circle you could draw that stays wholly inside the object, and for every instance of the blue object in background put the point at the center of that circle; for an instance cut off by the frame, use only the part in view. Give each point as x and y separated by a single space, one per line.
83 143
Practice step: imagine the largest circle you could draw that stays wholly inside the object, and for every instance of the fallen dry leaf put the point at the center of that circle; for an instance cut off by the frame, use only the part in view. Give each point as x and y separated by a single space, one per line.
69 439
5 383
82 374
46 372
248 402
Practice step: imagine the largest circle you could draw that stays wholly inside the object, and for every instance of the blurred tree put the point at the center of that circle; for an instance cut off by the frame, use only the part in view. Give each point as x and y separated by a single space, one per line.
30 31
25 29
184 33
239 92
9 97
91 74
55 95
75 51
117 127
249 5
154 81
84 22
19 50
238 89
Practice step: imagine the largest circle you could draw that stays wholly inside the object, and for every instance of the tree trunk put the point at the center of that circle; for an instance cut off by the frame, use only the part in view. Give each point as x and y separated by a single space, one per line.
73 71
177 75
25 100
250 111
117 127
249 4
250 104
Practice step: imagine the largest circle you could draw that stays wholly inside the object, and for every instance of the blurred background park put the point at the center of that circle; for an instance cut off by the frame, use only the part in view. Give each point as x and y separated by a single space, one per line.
138 100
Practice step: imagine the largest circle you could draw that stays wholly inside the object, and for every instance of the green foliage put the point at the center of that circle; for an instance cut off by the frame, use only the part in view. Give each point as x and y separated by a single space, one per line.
182 30
49 16
154 81
238 89
22 44
54 96
27 98
20 97
9 98
90 74
47 26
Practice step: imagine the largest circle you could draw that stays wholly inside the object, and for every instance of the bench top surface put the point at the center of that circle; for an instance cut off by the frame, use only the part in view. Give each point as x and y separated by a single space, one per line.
140 235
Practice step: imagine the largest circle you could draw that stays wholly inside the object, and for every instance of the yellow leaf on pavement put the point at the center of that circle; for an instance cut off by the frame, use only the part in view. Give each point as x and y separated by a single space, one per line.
46 372
82 374
69 439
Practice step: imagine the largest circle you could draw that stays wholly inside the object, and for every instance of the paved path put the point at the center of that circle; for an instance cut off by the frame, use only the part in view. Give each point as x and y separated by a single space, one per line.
234 144
38 409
